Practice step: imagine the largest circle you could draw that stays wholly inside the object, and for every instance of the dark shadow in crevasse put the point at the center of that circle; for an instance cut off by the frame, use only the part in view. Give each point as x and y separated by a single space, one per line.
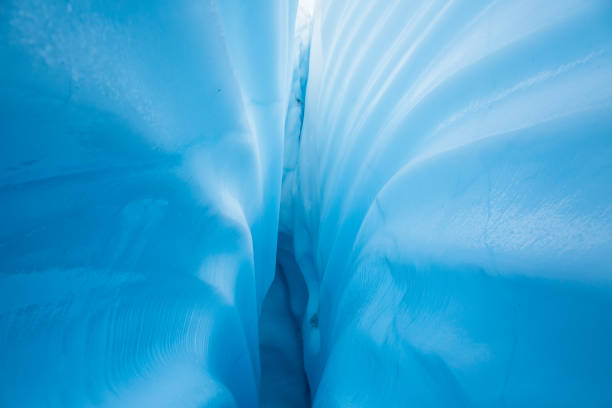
283 380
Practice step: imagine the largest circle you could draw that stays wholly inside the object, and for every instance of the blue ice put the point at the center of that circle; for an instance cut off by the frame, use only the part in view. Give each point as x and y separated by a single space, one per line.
242 203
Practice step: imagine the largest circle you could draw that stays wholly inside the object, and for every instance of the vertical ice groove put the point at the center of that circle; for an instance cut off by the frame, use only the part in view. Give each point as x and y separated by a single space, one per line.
454 204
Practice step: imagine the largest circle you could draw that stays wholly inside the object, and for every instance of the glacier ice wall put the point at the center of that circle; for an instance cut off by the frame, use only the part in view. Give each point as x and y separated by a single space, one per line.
430 180
453 218
140 181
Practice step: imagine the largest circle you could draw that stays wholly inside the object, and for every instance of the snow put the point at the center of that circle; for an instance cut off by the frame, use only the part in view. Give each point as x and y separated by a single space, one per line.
372 204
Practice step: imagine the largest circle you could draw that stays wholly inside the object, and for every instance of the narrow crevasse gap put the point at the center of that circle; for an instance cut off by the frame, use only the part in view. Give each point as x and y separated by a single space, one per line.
283 378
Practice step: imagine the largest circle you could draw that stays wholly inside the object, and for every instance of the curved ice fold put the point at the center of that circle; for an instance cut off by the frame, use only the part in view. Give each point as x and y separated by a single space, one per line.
139 194
453 221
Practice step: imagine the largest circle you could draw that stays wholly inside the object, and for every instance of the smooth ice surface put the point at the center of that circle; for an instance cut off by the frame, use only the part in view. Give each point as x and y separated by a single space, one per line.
141 161
430 180
454 211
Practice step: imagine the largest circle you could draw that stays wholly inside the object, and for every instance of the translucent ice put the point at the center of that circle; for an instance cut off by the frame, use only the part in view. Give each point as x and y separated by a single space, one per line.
139 194
454 211
430 180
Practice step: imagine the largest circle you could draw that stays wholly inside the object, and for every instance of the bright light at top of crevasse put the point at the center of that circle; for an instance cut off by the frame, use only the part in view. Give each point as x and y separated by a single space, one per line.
307 6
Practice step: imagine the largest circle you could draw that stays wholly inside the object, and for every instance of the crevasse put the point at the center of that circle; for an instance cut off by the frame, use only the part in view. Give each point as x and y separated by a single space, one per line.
283 379
406 204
